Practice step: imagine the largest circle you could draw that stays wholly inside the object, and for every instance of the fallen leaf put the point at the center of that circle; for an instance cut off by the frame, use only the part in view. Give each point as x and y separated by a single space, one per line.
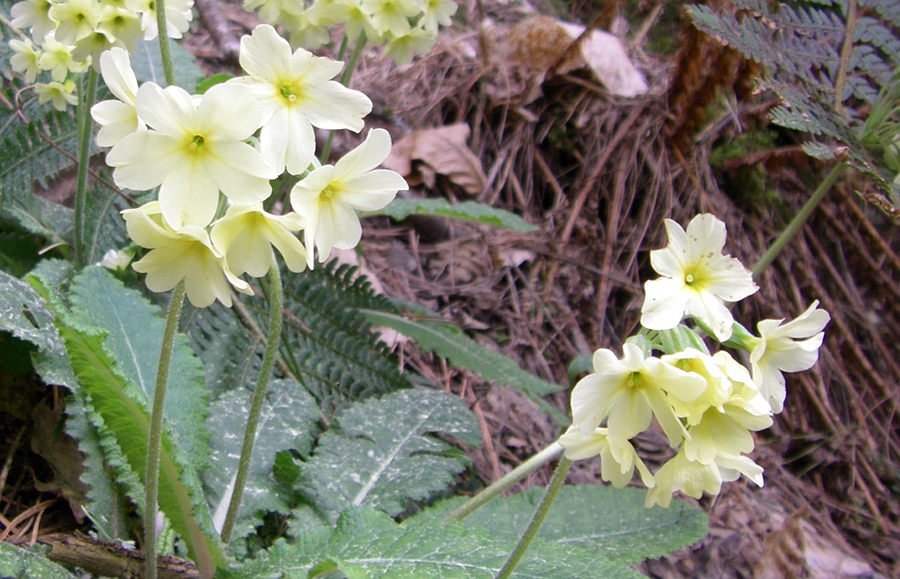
445 151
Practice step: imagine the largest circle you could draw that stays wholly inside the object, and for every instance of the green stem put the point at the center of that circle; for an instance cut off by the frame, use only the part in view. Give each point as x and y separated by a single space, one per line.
798 220
345 80
84 160
509 479
556 483
154 445
276 303
163 37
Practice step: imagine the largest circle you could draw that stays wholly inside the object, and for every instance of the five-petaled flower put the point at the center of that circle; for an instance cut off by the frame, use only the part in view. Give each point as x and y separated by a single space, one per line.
194 152
296 93
186 254
697 279
328 198
786 347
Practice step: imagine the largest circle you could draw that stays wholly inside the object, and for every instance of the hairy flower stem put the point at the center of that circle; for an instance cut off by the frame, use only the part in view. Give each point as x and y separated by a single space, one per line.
154 445
556 483
797 222
163 37
344 80
509 479
276 303
84 160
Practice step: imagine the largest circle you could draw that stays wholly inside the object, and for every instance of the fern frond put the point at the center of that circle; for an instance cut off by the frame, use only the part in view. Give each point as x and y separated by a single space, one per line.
329 344
828 61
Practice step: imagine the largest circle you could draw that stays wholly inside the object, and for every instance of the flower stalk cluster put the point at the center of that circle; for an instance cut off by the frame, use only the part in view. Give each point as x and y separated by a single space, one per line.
708 405
404 27
69 36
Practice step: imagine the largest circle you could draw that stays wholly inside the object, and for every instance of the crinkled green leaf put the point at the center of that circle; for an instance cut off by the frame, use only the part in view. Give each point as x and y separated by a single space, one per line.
451 343
288 422
401 208
24 314
18 253
380 454
118 411
16 562
610 522
148 67
368 544
134 329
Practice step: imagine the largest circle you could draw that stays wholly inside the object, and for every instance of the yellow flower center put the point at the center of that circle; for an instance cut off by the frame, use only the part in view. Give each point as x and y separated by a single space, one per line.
327 192
288 92
196 143
635 380
689 279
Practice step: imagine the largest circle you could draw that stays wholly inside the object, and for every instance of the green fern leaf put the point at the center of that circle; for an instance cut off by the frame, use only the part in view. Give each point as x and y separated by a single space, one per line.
230 352
451 343
380 453
328 344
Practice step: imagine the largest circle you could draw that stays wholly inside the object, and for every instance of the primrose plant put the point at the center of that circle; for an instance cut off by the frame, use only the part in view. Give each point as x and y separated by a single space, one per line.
336 470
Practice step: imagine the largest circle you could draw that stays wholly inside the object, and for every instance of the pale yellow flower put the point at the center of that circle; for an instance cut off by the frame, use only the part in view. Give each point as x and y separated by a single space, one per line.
186 254
193 152
403 48
694 478
786 347
630 392
697 279
328 198
58 59
76 18
247 233
117 118
26 58
59 94
296 93
33 14
618 459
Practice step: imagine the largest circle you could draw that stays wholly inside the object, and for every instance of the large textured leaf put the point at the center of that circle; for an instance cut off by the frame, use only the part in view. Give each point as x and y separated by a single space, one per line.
118 411
288 422
467 211
24 315
369 544
611 522
148 67
134 328
380 455
449 342
16 562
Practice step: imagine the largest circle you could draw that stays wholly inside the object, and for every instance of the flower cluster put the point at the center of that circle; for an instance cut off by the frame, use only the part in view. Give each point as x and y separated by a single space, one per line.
406 27
706 404
67 36
196 149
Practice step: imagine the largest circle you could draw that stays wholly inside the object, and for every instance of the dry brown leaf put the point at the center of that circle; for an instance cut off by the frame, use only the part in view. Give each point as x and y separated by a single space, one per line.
541 41
445 151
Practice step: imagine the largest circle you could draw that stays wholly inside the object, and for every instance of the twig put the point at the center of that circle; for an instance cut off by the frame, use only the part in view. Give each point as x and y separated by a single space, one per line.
219 29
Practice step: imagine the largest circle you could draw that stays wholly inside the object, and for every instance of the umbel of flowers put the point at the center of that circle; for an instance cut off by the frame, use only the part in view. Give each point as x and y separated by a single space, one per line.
196 149
405 27
67 36
706 404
